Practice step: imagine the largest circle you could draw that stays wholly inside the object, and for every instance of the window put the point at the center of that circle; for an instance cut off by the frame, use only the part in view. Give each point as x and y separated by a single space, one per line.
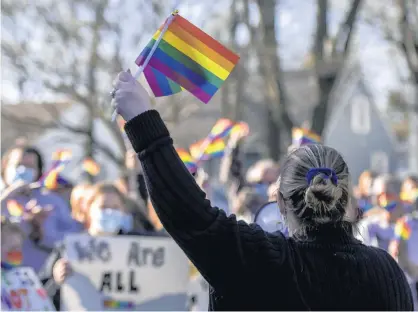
379 162
360 115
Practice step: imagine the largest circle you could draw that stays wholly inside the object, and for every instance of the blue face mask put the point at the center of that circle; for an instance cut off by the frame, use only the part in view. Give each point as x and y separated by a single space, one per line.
24 174
107 220
127 223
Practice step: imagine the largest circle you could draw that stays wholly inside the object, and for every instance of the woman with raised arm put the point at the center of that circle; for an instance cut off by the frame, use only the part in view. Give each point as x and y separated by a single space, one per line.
321 266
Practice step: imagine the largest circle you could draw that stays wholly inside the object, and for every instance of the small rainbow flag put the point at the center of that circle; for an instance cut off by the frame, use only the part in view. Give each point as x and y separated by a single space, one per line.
215 149
91 167
108 303
221 129
302 136
14 258
62 155
187 159
14 208
50 179
183 56
389 204
409 197
402 229
240 127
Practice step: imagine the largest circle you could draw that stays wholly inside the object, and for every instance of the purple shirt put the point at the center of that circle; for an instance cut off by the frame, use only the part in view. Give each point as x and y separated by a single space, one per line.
412 241
58 223
383 234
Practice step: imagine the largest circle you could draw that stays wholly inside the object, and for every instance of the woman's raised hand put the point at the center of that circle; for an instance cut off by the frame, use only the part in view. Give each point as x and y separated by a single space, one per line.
130 99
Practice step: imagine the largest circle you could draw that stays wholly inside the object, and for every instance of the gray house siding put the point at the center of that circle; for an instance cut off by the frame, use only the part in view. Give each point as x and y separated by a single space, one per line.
372 148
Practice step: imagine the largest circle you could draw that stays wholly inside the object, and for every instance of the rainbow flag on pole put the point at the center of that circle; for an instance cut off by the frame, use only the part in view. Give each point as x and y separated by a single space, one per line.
215 149
302 136
403 229
180 55
187 159
51 179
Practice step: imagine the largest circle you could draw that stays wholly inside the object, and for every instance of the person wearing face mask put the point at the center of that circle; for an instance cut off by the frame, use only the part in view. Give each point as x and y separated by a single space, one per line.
22 168
261 175
21 163
11 254
409 192
107 214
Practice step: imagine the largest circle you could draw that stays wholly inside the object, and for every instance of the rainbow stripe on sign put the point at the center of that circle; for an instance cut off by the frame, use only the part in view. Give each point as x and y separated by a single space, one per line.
118 304
185 57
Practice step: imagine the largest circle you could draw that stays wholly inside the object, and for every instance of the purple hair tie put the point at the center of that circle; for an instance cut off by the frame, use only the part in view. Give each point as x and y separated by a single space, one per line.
327 172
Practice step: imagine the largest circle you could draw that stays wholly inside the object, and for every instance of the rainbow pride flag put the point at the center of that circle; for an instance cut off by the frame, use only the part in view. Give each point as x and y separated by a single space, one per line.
180 55
221 129
51 179
14 208
409 197
302 136
187 159
390 206
14 258
215 149
91 167
240 127
402 229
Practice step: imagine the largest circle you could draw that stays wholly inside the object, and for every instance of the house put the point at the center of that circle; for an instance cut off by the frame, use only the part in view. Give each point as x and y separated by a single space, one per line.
357 129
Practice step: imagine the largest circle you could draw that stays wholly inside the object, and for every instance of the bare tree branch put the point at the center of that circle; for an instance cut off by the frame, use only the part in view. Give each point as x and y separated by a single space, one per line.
344 34
108 152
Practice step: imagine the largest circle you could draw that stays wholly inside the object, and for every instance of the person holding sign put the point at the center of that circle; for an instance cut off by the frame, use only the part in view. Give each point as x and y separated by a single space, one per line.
107 214
321 266
20 287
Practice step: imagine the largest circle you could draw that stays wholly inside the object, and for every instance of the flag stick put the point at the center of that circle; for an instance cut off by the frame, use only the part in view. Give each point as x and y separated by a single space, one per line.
141 68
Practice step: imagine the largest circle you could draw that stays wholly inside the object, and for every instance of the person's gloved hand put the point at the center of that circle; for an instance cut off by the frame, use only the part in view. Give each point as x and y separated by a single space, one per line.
130 99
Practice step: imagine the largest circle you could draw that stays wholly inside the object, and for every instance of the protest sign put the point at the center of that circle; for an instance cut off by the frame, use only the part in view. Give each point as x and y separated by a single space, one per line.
22 291
125 273
198 293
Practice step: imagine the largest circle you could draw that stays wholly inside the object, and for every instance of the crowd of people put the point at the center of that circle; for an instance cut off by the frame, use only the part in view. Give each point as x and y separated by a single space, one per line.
383 213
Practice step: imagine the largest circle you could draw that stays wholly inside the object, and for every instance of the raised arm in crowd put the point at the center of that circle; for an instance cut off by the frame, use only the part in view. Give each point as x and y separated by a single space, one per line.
320 267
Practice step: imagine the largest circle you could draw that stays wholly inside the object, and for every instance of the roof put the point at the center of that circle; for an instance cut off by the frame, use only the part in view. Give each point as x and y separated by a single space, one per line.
350 78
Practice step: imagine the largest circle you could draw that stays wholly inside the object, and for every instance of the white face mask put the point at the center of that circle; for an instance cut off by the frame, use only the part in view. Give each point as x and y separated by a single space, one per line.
21 173
107 220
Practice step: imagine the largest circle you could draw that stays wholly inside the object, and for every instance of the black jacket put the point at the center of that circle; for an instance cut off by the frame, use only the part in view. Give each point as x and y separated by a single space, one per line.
249 269
46 276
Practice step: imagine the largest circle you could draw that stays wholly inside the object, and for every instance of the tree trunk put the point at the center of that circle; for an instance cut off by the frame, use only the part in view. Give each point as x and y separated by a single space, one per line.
409 45
271 70
328 65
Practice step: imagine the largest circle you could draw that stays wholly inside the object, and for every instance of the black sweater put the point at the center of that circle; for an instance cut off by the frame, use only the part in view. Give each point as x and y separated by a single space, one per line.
249 269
